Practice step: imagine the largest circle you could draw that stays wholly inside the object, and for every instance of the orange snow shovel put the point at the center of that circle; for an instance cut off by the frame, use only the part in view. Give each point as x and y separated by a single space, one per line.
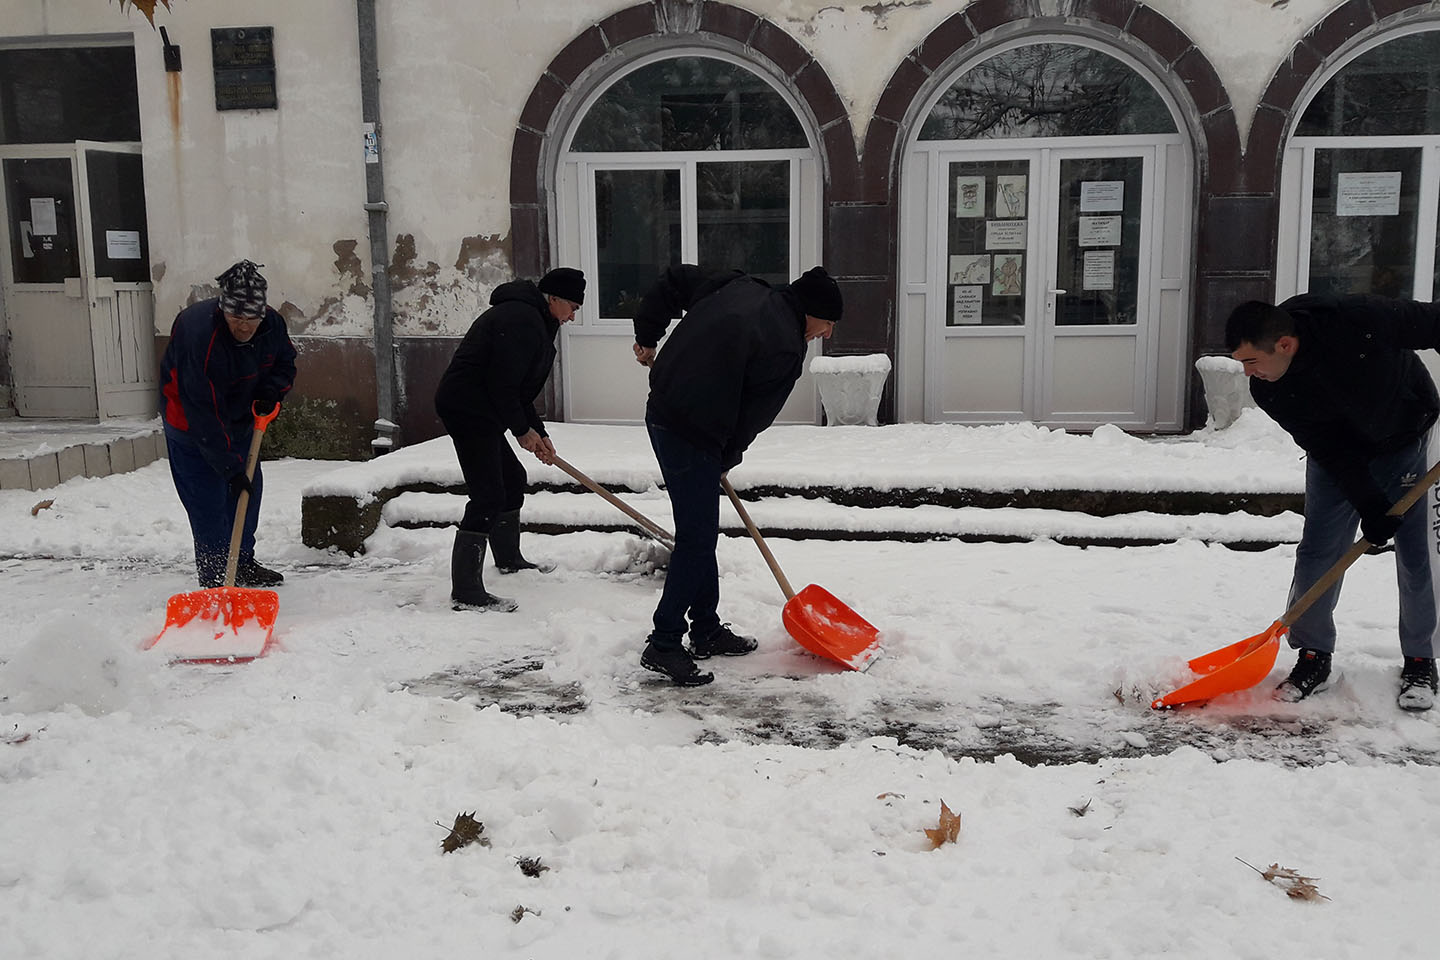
1242 665
817 620
226 624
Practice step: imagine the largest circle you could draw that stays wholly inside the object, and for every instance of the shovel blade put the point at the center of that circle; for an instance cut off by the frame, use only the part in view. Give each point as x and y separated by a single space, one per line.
220 625
820 623
1230 669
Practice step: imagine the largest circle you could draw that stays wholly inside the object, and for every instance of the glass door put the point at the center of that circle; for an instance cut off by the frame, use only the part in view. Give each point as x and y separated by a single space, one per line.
1048 287
44 296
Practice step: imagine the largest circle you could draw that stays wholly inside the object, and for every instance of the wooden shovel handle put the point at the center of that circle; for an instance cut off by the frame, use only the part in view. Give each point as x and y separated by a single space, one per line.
759 540
1329 577
242 503
650 526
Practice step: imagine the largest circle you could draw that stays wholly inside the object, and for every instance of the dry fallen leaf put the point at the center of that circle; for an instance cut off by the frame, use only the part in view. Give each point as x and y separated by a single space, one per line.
519 912
42 505
530 866
949 829
1296 887
889 794
467 830
1081 810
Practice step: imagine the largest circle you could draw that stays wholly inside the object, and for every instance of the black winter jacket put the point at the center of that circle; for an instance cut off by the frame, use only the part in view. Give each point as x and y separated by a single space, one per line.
730 364
208 380
501 366
1355 389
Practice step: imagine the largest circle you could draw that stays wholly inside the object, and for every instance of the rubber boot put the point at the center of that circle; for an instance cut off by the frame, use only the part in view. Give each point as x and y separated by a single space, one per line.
505 544
467 589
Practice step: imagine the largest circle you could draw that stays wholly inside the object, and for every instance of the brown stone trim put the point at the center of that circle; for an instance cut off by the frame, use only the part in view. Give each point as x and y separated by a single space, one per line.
1341 25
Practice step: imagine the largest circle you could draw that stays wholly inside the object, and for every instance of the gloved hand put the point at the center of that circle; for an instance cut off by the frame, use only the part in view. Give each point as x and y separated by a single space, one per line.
1378 527
265 400
238 483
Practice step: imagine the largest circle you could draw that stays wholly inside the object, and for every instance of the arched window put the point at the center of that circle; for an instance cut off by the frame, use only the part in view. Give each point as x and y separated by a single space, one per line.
692 158
1048 90
1362 176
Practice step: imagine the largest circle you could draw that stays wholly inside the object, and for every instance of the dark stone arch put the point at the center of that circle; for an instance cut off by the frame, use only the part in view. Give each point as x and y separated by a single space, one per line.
573 70
1131 26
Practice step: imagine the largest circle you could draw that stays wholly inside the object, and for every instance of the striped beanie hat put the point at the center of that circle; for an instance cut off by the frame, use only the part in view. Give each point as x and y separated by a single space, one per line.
242 290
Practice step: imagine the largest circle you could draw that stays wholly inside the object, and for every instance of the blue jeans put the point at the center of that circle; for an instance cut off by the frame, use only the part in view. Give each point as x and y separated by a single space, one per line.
1330 528
692 584
206 497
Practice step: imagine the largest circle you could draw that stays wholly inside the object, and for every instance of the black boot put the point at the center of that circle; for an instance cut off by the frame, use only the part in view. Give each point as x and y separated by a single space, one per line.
467 589
675 662
505 544
248 573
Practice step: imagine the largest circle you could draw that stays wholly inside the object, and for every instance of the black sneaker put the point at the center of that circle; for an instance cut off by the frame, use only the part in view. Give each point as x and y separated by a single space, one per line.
1417 684
253 575
722 642
675 663
1311 675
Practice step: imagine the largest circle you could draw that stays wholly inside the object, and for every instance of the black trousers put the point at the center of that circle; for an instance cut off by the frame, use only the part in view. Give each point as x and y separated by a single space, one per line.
494 478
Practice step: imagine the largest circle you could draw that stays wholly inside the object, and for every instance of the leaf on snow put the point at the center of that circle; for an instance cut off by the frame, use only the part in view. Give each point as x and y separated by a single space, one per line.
530 866
467 830
949 829
1296 887
1081 810
42 505
519 912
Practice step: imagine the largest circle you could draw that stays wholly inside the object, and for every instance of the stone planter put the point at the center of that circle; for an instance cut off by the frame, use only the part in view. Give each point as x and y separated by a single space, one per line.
1227 390
851 387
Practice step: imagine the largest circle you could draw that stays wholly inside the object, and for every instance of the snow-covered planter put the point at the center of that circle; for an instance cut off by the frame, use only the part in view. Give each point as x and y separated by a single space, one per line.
1227 393
850 387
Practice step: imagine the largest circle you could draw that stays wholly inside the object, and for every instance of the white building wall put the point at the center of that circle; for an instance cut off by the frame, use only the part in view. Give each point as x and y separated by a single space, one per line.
286 186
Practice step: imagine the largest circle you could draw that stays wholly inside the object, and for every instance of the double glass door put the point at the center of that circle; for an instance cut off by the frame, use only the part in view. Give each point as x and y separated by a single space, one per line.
74 263
1047 286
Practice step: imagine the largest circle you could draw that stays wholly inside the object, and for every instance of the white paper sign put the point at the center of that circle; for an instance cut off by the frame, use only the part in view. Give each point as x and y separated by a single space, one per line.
1005 234
970 268
1368 195
1099 231
42 217
1010 196
372 144
1099 273
122 244
968 301
1009 275
1100 196
26 250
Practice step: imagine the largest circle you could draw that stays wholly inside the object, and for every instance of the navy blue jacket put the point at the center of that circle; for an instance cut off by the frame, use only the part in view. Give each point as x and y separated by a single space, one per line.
729 366
1355 389
501 366
208 380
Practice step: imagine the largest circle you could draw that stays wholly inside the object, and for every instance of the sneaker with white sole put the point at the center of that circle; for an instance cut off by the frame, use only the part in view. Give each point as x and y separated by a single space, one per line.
1310 675
1417 684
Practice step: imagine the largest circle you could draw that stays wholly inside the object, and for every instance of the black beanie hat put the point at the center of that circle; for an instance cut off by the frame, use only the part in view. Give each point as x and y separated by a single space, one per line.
242 290
819 294
567 283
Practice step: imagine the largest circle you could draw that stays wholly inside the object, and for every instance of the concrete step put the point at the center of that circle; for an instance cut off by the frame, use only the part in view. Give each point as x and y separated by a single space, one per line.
39 454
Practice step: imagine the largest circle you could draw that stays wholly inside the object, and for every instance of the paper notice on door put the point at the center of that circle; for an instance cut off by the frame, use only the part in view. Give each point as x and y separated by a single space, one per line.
42 217
1099 272
26 250
122 244
1005 234
1368 194
1099 231
1102 196
968 301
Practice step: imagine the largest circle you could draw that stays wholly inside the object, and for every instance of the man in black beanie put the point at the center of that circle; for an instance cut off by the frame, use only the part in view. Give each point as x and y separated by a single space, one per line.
490 387
229 358
723 376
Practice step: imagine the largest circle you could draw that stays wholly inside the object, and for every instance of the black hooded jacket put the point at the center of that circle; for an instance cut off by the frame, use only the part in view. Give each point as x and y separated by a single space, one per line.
501 366
1355 389
730 364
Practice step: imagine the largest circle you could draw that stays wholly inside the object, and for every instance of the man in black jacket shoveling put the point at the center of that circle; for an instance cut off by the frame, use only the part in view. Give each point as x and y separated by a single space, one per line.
723 376
490 387
1341 376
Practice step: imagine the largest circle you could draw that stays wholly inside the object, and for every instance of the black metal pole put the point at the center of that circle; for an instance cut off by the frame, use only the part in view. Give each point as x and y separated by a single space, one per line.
386 431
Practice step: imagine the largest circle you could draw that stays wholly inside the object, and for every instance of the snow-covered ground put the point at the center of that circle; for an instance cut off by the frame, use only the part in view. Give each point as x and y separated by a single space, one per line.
289 807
